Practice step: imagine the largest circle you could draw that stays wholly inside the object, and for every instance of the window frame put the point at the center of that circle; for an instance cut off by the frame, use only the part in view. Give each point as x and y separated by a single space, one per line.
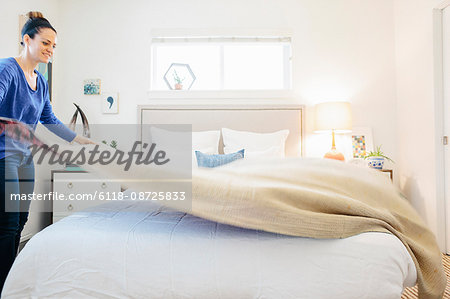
222 41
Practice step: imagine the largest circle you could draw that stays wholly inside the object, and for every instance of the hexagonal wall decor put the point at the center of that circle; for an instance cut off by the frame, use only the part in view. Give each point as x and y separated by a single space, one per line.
179 76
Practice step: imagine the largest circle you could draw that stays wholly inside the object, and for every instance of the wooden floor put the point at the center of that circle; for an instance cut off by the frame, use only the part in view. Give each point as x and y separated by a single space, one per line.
411 293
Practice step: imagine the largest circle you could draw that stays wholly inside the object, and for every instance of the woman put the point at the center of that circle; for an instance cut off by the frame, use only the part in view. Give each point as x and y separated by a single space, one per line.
24 95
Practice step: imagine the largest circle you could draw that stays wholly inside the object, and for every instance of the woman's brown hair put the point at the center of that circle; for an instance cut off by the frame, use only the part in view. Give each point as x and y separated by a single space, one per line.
34 24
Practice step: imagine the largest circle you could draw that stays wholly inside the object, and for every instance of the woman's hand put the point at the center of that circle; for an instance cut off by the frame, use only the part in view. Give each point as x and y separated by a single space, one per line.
83 140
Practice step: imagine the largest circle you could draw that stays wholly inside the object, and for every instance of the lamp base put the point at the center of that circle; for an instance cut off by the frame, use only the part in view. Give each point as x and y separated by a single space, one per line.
335 155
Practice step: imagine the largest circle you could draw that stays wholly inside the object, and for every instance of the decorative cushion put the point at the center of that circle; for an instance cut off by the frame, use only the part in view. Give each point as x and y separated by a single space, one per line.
205 160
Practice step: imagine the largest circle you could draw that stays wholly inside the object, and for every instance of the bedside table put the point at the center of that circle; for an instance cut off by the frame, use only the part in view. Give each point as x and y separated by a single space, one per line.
77 184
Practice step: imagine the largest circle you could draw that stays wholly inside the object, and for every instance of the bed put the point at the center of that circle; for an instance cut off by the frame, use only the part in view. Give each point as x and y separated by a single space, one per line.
141 250
132 249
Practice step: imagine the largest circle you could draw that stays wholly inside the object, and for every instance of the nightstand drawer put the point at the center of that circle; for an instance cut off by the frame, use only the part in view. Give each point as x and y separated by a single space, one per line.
76 191
70 206
81 183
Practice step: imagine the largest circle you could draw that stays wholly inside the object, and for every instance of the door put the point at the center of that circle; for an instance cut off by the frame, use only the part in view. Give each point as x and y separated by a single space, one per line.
446 90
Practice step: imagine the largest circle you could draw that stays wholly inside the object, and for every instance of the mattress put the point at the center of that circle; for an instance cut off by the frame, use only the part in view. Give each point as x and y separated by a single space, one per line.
137 249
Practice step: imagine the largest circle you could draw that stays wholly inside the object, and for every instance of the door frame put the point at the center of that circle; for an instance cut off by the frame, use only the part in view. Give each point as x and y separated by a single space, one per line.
442 213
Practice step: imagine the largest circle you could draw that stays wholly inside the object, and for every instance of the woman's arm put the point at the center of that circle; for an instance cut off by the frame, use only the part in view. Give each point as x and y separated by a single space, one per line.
83 140
52 123
5 82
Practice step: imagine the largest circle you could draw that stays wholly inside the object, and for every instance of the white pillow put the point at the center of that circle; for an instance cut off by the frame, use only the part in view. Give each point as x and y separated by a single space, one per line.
205 141
255 144
274 151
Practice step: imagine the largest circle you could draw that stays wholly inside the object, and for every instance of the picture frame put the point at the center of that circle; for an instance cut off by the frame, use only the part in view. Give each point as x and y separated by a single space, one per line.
92 86
46 69
110 103
362 142
22 20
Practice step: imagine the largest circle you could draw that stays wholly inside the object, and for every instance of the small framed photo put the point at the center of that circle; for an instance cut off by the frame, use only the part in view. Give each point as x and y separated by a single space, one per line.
362 142
92 86
110 103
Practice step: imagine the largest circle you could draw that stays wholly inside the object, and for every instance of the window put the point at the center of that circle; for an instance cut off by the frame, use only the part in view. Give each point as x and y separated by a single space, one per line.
223 63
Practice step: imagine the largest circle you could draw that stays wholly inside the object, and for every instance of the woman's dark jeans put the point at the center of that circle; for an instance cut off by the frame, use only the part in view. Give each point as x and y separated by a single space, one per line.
16 177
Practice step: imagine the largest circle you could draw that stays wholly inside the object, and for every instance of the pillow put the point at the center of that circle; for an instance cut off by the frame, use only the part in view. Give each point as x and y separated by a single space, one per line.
274 151
204 141
210 161
266 144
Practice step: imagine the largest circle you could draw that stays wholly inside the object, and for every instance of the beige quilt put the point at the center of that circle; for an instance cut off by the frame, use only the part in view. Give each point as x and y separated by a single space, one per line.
318 198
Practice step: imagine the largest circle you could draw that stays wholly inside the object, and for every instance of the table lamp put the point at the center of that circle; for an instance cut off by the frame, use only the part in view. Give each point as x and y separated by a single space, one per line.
335 117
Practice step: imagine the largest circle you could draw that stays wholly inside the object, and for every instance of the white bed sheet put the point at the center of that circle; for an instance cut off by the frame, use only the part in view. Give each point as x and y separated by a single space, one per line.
140 250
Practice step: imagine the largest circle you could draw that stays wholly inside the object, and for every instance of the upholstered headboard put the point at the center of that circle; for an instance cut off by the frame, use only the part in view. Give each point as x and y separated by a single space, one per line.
260 118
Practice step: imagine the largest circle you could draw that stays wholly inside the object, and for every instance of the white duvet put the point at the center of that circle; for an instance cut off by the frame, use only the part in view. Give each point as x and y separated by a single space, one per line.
140 250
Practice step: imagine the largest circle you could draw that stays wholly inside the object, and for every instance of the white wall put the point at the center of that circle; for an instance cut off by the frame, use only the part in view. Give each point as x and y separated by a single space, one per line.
341 50
416 109
9 31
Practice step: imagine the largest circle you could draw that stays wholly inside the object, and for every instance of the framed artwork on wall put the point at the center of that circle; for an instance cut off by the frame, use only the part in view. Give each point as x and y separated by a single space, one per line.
362 142
46 70
110 103
92 86
22 21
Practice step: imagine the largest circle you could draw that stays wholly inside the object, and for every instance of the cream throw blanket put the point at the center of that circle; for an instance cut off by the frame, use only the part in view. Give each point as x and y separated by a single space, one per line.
318 198
314 198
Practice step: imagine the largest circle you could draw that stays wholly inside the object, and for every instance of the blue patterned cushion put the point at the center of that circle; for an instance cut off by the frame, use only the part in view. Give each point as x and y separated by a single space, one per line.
205 160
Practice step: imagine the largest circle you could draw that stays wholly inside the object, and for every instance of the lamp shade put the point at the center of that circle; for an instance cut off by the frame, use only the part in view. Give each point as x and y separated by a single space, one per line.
335 116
